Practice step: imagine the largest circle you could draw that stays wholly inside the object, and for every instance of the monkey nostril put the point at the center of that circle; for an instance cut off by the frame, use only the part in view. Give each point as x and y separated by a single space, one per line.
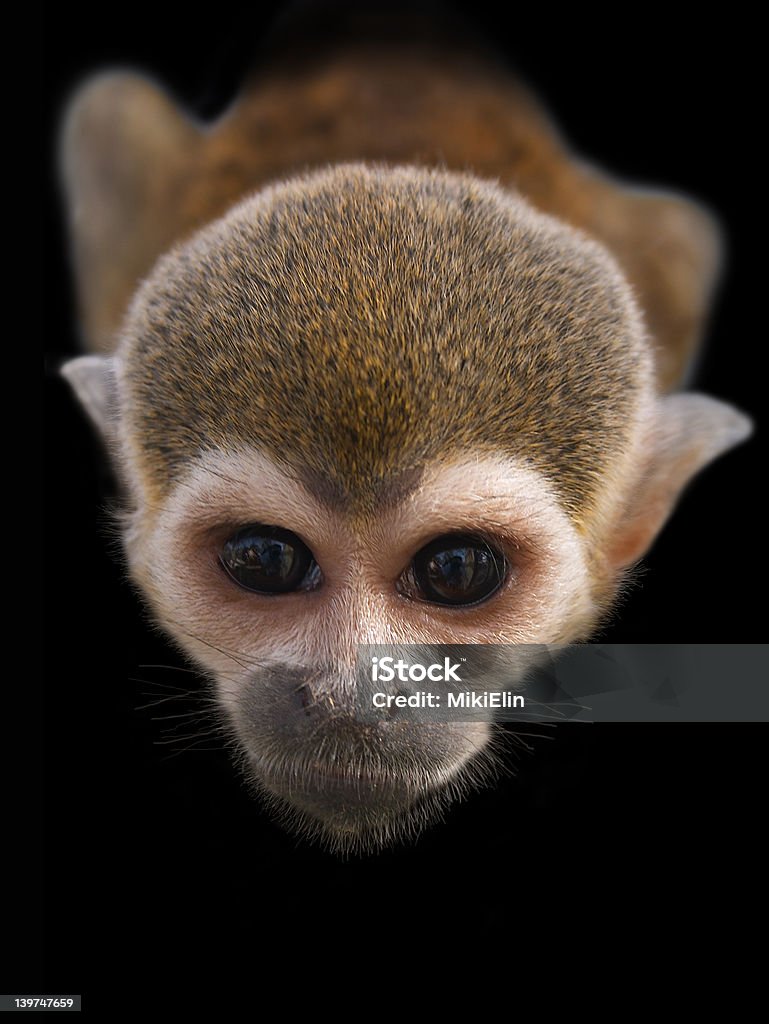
306 699
392 710
310 699
314 702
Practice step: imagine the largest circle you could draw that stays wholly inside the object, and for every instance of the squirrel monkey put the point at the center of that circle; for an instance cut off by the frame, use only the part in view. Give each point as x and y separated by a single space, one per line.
378 361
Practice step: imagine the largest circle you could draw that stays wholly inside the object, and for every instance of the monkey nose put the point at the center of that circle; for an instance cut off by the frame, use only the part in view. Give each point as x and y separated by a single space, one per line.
291 700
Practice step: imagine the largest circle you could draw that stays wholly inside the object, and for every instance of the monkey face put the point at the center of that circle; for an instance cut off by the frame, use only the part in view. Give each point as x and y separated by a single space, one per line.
276 612
383 406
361 459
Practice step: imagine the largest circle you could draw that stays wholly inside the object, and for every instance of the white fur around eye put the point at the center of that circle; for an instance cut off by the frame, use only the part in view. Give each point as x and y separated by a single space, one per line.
360 562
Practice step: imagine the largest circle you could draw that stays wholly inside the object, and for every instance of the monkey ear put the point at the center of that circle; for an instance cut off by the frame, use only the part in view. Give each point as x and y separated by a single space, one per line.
691 431
94 381
124 151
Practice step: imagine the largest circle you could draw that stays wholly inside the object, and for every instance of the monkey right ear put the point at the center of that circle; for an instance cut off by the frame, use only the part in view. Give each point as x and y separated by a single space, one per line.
94 381
125 149
690 431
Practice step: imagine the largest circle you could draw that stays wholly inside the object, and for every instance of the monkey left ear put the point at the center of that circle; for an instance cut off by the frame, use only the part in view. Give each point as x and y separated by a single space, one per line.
690 432
94 381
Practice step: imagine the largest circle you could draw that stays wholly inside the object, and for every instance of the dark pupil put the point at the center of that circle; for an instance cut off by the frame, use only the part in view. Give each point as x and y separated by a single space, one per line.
461 571
266 559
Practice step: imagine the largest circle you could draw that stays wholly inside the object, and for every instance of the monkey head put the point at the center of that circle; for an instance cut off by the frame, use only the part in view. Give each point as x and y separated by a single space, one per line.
394 405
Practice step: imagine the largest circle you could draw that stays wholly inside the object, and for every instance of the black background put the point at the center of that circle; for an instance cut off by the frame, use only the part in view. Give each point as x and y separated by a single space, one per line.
160 870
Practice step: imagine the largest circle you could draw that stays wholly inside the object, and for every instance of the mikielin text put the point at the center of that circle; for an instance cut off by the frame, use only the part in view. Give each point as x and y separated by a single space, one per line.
466 699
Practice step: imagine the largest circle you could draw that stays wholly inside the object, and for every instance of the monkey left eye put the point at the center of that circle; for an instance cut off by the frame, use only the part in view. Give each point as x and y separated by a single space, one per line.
458 569
269 560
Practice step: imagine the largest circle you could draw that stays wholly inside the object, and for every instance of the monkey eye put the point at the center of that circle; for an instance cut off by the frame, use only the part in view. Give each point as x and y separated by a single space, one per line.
457 569
269 560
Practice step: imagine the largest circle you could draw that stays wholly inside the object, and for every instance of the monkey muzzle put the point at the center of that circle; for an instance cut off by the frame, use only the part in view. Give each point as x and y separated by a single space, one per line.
316 741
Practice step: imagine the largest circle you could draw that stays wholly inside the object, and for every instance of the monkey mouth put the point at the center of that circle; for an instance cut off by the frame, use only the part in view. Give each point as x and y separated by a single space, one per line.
354 803
359 801
346 796
355 786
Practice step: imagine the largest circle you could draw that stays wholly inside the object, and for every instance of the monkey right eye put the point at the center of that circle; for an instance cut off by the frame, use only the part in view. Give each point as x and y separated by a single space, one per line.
269 560
456 570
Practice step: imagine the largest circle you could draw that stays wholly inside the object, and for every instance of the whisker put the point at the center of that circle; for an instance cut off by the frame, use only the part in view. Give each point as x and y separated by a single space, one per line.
172 668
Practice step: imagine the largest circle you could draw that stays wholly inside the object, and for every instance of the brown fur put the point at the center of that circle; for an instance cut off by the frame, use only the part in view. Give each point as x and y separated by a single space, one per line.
360 323
141 175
